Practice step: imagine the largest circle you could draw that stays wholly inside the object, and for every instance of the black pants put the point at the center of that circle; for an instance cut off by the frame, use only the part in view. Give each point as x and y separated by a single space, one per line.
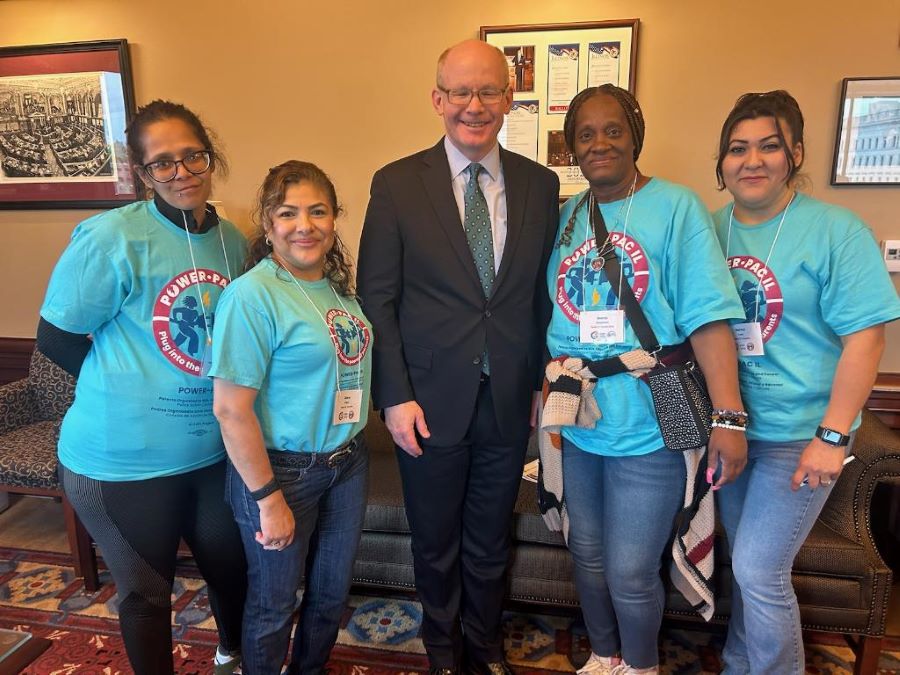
138 525
459 502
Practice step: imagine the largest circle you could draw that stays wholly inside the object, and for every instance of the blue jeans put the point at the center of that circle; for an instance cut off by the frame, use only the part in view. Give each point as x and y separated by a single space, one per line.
766 523
621 515
328 505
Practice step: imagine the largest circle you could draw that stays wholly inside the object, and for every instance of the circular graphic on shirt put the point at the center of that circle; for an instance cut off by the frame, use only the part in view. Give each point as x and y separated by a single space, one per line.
759 292
580 282
349 334
183 316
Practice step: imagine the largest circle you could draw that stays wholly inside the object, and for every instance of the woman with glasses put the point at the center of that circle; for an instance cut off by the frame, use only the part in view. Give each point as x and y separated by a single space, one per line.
816 297
129 311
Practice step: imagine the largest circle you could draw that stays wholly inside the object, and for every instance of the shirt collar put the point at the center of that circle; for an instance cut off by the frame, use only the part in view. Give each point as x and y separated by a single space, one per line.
459 162
174 215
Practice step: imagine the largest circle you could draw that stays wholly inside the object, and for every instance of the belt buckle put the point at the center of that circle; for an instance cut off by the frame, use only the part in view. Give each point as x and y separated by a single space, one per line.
338 456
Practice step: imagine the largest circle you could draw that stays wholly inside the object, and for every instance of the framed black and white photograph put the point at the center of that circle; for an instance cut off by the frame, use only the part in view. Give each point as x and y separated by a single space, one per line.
548 65
867 143
63 113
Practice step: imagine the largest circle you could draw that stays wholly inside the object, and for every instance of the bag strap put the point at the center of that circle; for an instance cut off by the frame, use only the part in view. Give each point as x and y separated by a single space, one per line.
633 311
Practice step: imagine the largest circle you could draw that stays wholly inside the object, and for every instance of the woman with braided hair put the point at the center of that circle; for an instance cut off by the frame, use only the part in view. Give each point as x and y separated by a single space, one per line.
623 488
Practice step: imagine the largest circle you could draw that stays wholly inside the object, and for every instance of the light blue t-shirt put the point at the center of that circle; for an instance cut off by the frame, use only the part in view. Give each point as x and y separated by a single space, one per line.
825 279
671 258
294 348
141 408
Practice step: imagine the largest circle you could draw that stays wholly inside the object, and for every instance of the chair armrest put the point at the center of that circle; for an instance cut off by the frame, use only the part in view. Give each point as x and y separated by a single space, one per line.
16 409
877 452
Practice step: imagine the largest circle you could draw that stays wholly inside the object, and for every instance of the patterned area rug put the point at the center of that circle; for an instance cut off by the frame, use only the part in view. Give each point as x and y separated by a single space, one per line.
379 636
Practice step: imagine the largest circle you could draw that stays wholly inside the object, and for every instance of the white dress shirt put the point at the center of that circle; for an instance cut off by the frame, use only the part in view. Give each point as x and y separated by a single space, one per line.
492 185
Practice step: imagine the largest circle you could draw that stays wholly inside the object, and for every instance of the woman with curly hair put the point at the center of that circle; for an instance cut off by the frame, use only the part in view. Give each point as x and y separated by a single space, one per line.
291 369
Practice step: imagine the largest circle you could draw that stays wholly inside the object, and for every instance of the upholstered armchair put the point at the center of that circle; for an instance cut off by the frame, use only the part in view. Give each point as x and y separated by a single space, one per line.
31 411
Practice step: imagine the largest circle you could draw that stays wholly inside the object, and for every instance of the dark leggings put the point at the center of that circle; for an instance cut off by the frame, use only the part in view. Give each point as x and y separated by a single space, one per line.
137 526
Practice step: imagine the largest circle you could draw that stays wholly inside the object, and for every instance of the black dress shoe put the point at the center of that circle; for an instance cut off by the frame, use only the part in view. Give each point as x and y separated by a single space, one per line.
443 671
492 668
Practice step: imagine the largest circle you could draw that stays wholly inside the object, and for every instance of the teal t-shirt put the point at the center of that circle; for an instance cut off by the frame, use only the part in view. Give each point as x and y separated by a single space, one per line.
825 279
670 256
294 348
141 408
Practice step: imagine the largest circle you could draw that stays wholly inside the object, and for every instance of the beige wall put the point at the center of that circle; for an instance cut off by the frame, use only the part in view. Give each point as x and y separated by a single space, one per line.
345 83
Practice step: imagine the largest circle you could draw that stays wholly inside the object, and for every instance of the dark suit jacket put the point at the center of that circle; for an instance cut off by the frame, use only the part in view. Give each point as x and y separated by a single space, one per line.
420 290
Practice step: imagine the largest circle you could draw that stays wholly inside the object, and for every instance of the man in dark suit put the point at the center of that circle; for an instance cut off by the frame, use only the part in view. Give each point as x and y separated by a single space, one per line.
452 276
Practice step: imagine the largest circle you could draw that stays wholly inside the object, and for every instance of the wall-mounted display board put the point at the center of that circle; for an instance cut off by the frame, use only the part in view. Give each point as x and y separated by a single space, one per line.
548 65
63 113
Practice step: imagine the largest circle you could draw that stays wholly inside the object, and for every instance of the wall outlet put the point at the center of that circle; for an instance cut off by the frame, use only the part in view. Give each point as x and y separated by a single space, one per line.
890 249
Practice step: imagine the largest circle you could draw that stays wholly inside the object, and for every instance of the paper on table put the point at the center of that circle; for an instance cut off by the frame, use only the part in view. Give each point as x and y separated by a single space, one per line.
530 472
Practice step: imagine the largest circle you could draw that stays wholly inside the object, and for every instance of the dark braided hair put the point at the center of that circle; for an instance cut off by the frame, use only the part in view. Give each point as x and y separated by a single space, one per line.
777 104
624 98
633 115
271 195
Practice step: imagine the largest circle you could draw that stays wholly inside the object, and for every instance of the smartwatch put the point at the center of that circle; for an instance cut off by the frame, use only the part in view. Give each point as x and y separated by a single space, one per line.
832 437
267 489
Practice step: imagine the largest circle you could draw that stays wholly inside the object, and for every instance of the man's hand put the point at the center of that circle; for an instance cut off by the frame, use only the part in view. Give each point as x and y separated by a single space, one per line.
403 421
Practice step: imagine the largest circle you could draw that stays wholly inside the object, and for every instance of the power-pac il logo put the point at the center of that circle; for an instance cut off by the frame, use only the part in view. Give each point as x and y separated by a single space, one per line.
180 325
581 280
349 335
760 293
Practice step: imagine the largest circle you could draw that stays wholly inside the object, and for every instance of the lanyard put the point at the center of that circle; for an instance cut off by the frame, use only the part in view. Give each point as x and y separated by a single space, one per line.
601 249
359 334
771 248
196 275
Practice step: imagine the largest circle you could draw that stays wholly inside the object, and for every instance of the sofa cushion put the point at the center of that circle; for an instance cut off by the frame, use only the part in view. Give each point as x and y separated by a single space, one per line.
28 456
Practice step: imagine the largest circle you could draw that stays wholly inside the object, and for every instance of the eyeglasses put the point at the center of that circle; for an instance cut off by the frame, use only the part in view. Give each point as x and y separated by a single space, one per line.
489 96
165 170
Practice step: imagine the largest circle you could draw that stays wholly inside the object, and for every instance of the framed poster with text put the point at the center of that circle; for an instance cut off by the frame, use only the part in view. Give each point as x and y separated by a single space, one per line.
548 65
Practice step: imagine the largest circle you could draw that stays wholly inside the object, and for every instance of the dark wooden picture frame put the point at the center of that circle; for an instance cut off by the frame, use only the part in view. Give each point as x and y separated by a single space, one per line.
63 112
867 141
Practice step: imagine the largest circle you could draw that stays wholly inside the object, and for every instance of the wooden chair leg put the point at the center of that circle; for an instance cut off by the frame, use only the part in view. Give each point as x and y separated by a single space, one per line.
867 651
84 558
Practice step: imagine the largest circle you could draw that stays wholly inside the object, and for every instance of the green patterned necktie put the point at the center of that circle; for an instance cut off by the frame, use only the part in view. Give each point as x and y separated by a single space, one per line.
477 224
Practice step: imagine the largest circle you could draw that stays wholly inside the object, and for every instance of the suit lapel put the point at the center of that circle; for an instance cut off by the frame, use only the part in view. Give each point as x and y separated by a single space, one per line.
515 179
437 181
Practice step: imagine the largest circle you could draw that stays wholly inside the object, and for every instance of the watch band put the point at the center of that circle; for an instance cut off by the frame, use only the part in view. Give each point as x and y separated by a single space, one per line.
265 490
832 437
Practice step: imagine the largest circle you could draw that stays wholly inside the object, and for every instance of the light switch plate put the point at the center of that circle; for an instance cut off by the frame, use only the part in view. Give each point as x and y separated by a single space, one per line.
890 250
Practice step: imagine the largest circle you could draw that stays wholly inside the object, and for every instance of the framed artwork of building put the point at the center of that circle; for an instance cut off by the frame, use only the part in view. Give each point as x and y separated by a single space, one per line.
548 65
63 113
867 143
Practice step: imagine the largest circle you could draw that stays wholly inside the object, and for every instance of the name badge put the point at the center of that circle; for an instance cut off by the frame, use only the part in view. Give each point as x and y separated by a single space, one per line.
748 338
602 327
347 403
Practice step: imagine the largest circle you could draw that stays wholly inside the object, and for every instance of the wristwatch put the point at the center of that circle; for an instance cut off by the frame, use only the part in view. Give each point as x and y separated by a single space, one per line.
832 437
265 490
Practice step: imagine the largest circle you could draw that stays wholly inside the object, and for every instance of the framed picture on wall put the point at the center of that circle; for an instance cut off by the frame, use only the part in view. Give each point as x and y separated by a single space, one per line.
548 65
867 143
63 113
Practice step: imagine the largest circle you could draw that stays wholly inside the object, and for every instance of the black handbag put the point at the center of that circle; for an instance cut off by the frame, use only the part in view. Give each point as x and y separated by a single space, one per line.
680 397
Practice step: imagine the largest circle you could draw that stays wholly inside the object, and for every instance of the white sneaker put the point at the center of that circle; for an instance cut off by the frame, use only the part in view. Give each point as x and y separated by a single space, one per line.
597 665
624 669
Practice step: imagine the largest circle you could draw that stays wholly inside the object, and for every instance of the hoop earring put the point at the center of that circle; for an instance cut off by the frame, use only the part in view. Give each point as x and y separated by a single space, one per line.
268 243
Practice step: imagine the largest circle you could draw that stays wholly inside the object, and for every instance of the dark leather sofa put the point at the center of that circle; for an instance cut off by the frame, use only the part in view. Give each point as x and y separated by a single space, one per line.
842 583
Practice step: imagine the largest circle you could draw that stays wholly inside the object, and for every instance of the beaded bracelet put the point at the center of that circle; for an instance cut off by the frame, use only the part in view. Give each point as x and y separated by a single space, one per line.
730 413
727 425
